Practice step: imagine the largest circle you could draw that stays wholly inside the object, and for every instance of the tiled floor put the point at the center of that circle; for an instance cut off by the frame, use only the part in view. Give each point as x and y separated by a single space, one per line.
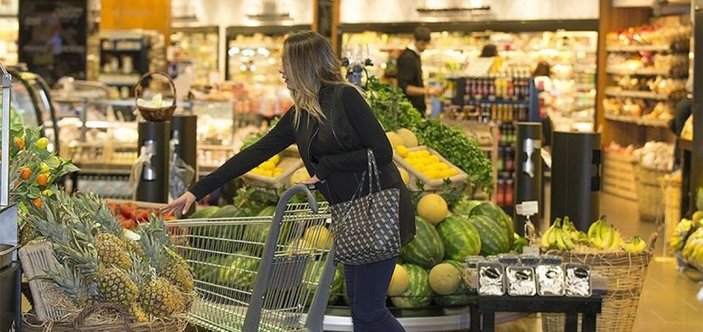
668 300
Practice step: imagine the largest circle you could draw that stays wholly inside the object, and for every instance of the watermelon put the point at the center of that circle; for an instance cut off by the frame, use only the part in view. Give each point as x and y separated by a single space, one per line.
205 212
259 232
418 294
227 211
464 207
317 268
460 297
494 240
238 271
460 238
426 249
497 215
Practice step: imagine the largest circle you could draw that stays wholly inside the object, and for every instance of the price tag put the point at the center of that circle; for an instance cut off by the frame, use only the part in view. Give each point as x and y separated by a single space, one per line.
527 209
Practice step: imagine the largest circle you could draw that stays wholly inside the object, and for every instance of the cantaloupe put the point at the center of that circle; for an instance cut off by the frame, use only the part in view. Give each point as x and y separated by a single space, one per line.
445 279
394 139
432 208
408 137
319 237
399 281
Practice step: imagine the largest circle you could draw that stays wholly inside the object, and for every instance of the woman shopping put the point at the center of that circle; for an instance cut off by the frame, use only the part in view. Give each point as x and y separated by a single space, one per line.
346 151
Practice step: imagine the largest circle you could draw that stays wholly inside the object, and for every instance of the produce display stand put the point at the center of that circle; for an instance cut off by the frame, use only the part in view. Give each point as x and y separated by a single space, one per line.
486 307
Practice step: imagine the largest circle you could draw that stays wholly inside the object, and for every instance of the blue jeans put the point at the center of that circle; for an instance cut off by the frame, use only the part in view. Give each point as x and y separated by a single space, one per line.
366 287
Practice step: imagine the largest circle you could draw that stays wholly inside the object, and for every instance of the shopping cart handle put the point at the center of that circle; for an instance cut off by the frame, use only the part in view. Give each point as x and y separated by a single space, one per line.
294 190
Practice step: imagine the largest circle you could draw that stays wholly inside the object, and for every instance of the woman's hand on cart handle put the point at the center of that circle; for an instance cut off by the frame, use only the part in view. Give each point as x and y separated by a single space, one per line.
311 181
180 205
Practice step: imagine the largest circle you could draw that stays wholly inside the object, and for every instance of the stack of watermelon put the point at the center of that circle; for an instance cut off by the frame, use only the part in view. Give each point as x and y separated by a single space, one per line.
433 262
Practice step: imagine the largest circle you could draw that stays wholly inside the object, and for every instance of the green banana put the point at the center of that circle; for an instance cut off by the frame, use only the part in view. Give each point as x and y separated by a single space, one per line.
596 227
617 239
560 239
567 240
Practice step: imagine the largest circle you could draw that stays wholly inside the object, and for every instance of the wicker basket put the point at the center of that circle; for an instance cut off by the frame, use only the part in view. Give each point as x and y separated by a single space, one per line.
625 274
649 193
155 114
671 187
121 322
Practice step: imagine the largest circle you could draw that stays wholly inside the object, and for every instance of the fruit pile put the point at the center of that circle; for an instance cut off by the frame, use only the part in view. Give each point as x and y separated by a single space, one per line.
424 162
601 236
269 168
129 214
431 266
103 263
687 237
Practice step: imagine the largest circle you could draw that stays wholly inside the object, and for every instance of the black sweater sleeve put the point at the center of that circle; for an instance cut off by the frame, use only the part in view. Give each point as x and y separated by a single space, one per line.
369 131
280 137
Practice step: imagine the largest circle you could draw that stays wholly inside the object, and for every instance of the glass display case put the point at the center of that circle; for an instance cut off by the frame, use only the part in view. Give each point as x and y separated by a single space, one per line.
32 100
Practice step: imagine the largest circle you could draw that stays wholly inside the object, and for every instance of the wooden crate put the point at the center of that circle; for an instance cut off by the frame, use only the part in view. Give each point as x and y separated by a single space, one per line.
429 184
619 176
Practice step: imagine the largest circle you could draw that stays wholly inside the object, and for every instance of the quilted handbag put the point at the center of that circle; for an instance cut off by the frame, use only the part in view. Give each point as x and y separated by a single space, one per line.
367 229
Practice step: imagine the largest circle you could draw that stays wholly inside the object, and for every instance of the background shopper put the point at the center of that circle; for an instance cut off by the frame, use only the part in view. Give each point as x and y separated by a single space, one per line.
410 71
333 144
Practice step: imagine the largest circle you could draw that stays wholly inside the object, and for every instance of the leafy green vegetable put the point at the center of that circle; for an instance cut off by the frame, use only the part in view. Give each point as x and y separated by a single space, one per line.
394 111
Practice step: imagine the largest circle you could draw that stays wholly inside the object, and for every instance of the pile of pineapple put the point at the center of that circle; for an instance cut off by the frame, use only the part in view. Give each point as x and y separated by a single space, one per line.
100 262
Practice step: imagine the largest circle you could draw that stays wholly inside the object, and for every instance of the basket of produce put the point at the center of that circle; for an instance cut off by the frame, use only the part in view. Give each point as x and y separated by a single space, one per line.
156 109
87 273
429 167
623 263
275 172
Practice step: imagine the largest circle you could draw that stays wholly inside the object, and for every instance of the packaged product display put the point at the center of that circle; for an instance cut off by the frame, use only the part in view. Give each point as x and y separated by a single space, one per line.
550 277
578 280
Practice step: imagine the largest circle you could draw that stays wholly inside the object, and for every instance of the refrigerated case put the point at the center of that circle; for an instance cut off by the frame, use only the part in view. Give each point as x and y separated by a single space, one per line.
31 99
253 62
455 46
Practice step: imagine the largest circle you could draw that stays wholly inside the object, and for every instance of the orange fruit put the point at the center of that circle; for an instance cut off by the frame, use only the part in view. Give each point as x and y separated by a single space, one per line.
42 179
37 202
26 173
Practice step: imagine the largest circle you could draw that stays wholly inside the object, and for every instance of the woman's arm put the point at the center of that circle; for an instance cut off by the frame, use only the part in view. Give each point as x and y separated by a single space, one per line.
280 137
370 132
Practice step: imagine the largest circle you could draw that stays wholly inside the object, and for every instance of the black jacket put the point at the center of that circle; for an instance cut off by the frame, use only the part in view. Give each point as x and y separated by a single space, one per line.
409 67
349 129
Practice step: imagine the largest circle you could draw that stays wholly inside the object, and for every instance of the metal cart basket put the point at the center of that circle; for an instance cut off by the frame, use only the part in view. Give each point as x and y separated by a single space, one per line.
260 273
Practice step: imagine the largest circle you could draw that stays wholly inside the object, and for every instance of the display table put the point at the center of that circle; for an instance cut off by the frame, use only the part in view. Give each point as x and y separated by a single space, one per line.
484 308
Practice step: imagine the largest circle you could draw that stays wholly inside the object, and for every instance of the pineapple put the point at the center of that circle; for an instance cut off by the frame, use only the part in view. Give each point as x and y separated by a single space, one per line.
112 251
116 286
161 299
136 310
176 270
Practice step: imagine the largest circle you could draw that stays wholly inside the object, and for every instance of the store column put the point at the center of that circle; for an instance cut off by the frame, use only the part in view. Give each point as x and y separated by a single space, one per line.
697 112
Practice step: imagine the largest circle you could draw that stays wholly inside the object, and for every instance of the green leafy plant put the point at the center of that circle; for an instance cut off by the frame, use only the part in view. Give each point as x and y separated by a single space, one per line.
394 111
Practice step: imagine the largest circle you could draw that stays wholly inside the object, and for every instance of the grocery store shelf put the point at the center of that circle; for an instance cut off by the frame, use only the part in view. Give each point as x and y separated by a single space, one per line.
641 72
638 121
639 48
617 92
117 79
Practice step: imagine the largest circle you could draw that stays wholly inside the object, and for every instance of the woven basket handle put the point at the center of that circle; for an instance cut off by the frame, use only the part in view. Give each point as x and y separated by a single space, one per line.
138 89
85 313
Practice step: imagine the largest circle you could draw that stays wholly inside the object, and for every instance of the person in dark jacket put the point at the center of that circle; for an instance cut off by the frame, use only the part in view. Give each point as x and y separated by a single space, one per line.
410 71
333 127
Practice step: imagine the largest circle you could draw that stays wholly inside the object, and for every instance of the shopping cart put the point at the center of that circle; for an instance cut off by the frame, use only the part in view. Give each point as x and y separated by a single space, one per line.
260 273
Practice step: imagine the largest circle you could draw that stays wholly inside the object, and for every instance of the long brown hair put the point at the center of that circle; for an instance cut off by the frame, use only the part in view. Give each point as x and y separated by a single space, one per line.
309 62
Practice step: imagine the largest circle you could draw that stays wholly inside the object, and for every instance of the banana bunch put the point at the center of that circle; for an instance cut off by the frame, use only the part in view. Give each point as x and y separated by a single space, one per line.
557 238
577 236
693 249
604 236
636 245
681 232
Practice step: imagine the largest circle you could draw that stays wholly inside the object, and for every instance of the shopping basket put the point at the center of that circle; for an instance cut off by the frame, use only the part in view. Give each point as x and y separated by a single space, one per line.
259 273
